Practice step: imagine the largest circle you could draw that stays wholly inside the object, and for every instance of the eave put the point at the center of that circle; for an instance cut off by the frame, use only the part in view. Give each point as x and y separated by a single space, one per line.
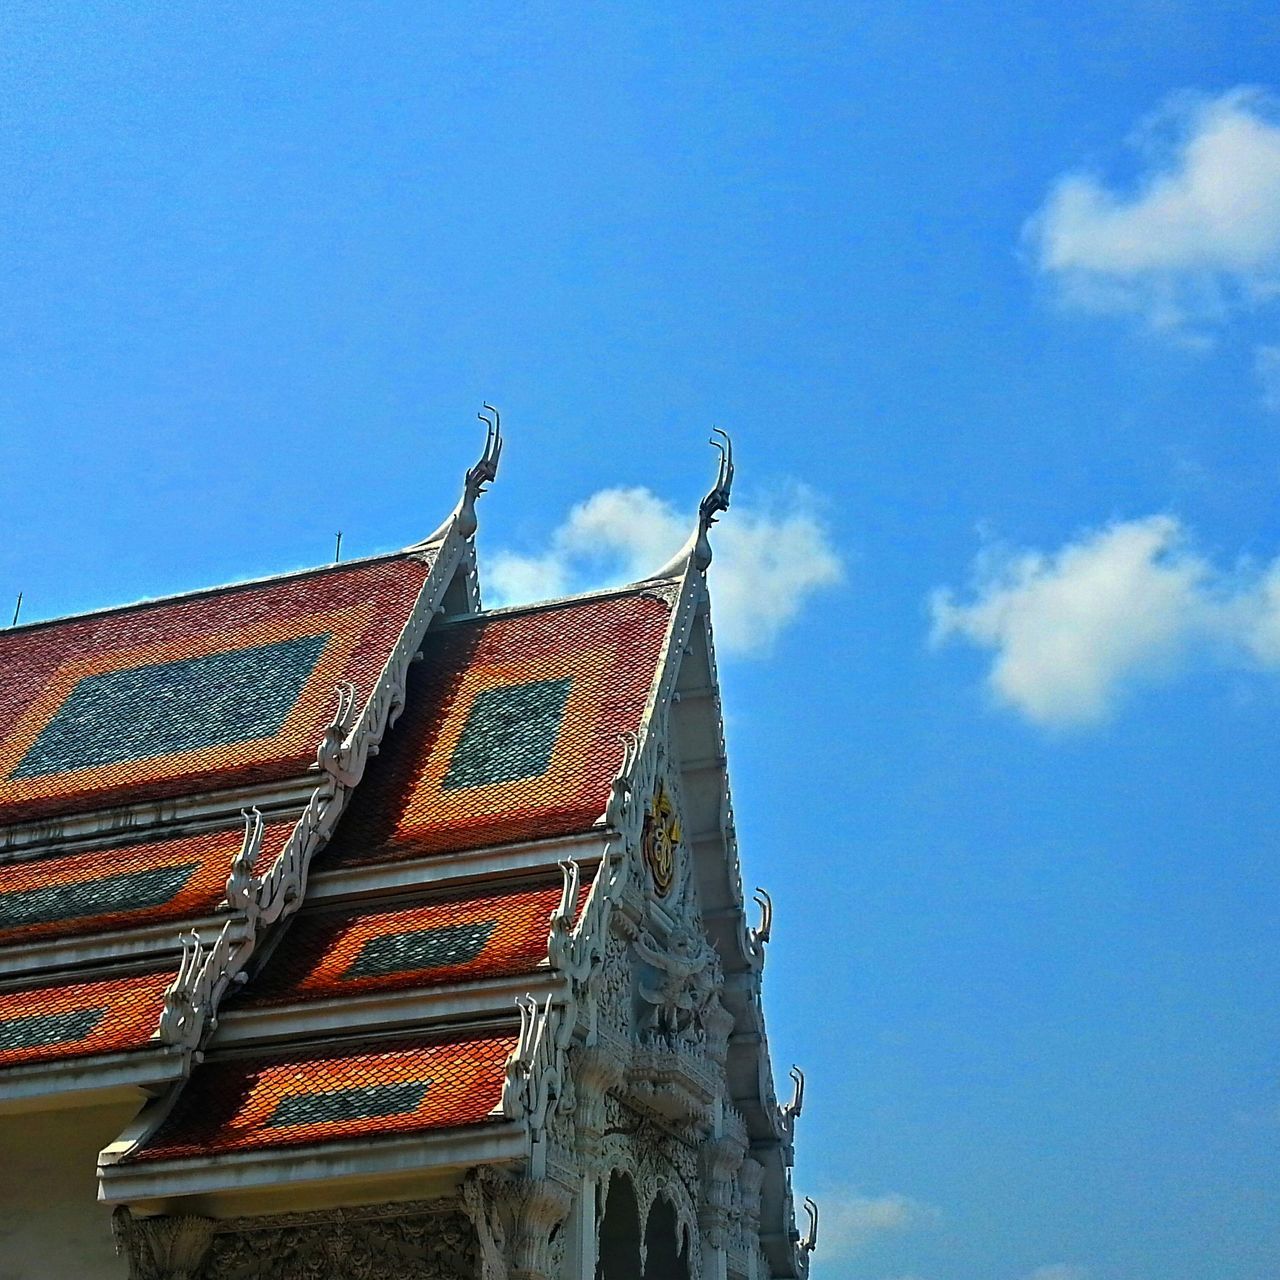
455 870
136 1074
423 1008
152 1185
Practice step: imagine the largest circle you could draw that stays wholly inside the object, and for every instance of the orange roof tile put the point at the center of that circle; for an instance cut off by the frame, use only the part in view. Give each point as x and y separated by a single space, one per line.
512 730
75 1019
299 1099
125 887
210 690
339 953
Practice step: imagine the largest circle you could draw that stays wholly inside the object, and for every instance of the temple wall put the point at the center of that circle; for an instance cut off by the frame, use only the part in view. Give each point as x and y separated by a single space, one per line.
51 1225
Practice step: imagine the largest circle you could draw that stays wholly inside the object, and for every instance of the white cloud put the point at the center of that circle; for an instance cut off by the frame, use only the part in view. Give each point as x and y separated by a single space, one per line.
1197 236
1059 1271
767 562
1072 630
850 1221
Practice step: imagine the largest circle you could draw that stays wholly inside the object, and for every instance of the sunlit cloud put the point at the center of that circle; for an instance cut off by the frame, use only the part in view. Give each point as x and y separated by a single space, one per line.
851 1221
1070 632
769 561
1195 237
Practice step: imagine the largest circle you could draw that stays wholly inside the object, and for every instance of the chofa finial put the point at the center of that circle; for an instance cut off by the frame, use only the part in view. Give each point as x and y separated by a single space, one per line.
486 470
717 500
696 553
483 473
478 479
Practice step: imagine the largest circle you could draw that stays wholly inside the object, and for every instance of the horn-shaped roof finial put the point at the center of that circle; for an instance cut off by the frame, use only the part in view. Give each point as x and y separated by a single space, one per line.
478 479
696 553
716 501
484 472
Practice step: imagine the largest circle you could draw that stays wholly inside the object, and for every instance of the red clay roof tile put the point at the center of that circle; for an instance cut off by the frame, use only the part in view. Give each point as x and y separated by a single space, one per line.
76 1019
124 887
512 730
211 690
341 953
304 1098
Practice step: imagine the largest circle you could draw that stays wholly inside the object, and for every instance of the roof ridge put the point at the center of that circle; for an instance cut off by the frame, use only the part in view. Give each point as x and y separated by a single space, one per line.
402 553
557 602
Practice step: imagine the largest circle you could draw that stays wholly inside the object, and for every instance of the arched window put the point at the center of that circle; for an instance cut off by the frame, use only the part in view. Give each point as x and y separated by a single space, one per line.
619 1257
665 1259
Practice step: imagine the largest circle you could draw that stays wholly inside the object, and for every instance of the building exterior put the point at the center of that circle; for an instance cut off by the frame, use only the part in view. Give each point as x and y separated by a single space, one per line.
348 929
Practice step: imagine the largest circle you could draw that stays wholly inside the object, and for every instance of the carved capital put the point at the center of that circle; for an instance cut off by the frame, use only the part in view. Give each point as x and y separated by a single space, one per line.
541 1207
750 1183
597 1070
162 1248
719 1160
518 1223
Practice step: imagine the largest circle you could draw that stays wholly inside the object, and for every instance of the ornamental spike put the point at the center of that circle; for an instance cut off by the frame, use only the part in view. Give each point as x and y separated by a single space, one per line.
562 917
793 1108
697 551
484 473
761 935
717 499
477 481
810 1241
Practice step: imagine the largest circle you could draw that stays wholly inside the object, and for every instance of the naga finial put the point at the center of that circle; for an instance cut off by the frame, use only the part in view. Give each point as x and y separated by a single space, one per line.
717 500
810 1241
484 472
791 1112
760 936
478 478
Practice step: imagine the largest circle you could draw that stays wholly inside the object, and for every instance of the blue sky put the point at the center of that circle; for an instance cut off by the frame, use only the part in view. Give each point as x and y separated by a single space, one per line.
987 295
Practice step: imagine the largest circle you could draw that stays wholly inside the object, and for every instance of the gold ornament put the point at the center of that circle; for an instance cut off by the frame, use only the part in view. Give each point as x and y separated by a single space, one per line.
660 839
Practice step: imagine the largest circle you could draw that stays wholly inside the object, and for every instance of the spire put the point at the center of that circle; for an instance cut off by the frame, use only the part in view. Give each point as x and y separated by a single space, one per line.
478 479
696 553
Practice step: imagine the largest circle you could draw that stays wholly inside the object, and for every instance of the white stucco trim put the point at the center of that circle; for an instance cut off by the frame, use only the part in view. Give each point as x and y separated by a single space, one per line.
146 1070
368 1158
456 870
425 1008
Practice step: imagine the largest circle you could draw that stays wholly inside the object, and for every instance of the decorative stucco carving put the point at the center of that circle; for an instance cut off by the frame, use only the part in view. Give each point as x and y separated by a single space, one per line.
518 1224
162 1248
431 1240
679 988
660 839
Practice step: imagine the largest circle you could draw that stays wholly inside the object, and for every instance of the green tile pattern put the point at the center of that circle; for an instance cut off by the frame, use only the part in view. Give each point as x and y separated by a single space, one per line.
165 707
421 949
124 891
510 734
34 1030
362 1103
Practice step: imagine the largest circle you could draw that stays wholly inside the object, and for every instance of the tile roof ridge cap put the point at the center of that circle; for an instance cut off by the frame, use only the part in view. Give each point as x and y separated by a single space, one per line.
402 553
639 588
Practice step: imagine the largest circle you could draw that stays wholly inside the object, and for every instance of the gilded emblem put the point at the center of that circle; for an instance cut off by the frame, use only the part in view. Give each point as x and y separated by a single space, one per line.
660 840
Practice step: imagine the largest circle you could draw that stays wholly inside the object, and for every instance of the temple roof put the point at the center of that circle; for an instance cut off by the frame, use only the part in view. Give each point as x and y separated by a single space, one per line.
124 886
574 677
209 690
323 1095
320 860
353 950
40 1023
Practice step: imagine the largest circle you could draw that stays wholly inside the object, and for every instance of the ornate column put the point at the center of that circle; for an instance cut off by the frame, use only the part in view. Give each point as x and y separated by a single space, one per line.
719 1161
541 1208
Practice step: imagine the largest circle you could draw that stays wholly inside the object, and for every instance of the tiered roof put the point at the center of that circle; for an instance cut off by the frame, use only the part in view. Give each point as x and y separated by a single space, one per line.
291 858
